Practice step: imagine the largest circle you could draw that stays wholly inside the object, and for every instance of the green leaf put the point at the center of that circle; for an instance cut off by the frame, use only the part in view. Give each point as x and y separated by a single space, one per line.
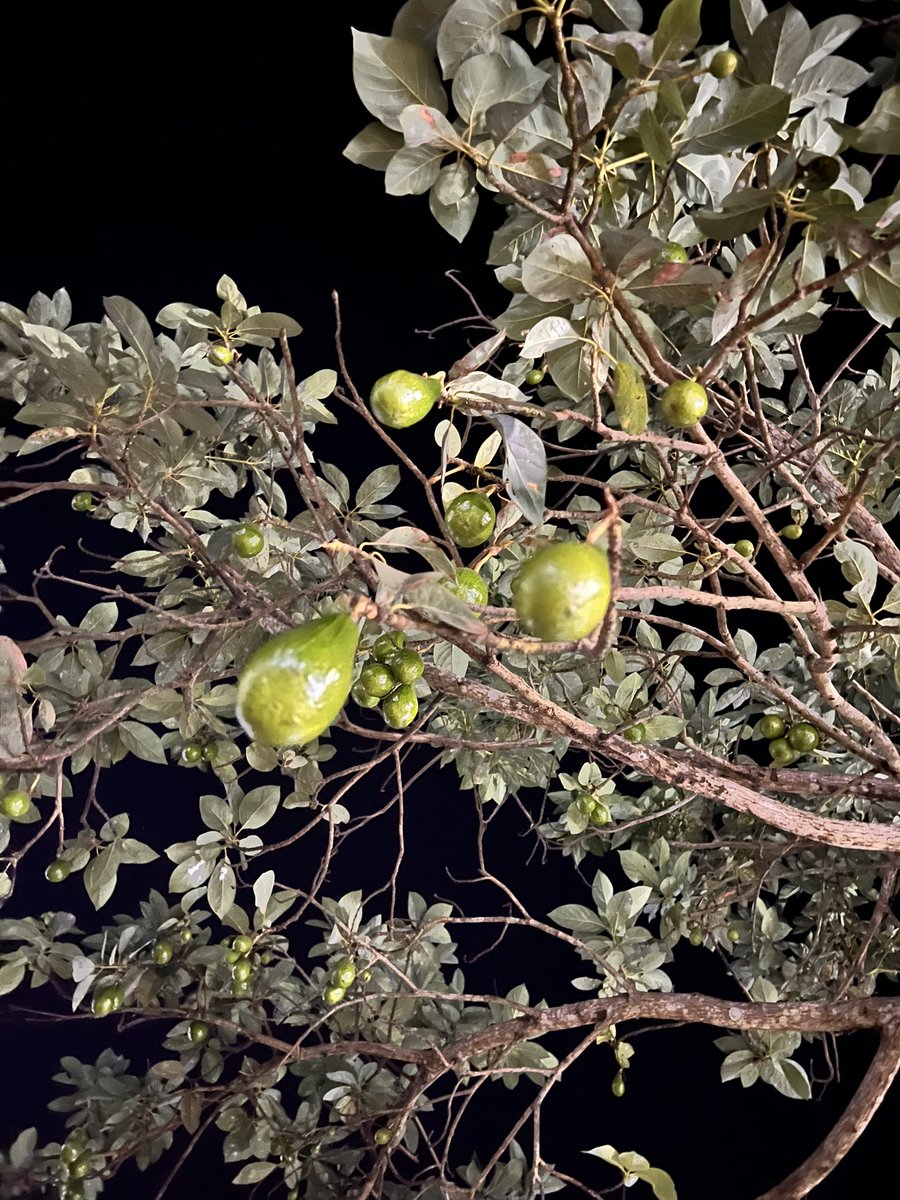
391 73
269 325
879 133
876 285
778 47
424 126
377 486
419 20
221 889
660 1182
11 975
473 27
577 918
374 146
259 806
141 742
654 138
413 170
453 199
746 16
859 567
557 269
254 1172
131 324
436 601
630 398
678 31
750 115
548 334
525 466
262 890
740 213
100 876
614 15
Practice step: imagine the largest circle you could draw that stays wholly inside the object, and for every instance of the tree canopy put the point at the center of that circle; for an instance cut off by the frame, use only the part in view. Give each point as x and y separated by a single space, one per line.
638 580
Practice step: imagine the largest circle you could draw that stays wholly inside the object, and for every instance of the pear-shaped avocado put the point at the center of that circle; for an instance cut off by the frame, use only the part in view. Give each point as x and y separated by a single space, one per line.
297 682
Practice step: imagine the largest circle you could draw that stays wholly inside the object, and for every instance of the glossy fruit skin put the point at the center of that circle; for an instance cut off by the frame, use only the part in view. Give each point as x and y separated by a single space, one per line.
617 1087
241 988
232 957
724 63
242 970
470 587
296 683
198 1031
333 995
586 802
242 943
15 805
363 698
221 355
407 666
82 501
791 532
683 404
471 519
185 936
803 736
80 1166
744 548
695 937
635 734
72 1149
384 648
248 540
771 726
600 816
378 679
344 973
734 935
535 377
672 252
191 753
401 398
102 1005
561 592
58 871
401 707
162 952
383 1136
782 752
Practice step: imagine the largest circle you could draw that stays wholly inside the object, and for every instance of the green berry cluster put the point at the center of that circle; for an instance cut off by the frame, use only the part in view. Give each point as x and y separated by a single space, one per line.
240 957
387 678
341 978
786 744
74 1164
194 752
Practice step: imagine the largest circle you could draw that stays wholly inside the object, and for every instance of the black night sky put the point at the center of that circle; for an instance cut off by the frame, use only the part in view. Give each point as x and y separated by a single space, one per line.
145 153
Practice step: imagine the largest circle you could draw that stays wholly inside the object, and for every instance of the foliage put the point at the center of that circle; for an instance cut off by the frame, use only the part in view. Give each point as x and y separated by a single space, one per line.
601 144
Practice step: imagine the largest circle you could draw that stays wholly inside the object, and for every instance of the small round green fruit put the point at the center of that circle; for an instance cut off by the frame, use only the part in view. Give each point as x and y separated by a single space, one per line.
771 726
82 502
803 737
683 403
470 519
724 63
248 540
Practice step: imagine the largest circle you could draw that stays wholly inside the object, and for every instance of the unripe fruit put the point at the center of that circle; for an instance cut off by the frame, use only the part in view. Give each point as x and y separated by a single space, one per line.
220 354
232 957
334 994
782 752
635 733
791 532
470 519
600 815
683 404
401 398
771 726
242 943
407 666
210 752
198 1032
82 502
384 648
401 707
242 970
162 952
562 591
344 973
241 988
383 1136
470 586
102 1005
696 937
724 63
185 936
191 753
744 548
248 540
586 802
672 252
378 679
617 1087
15 805
363 698
734 935
58 871
535 377
80 1166
803 736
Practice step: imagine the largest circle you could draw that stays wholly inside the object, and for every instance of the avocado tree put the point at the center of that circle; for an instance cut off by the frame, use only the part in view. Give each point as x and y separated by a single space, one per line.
646 593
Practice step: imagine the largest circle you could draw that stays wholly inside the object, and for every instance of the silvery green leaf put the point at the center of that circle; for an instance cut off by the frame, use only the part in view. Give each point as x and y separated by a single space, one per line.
525 467
374 146
391 73
557 269
473 27
548 334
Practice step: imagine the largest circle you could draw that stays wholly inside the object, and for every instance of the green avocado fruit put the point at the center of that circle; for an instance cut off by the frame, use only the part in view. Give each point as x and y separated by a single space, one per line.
401 398
562 591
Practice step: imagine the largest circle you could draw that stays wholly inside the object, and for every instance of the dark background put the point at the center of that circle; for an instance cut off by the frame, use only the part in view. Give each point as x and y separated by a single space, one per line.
146 154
